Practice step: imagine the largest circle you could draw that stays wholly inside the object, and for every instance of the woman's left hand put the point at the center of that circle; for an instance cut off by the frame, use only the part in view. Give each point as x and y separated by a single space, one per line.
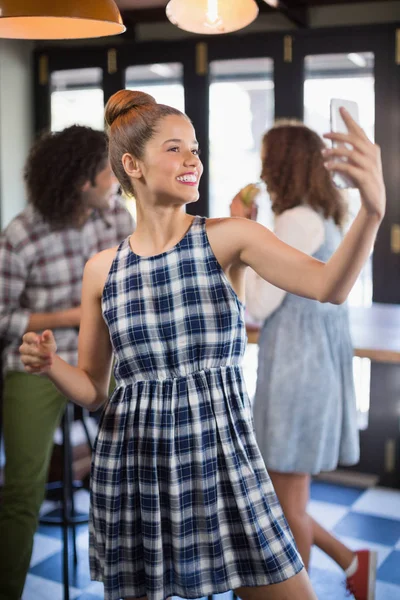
363 164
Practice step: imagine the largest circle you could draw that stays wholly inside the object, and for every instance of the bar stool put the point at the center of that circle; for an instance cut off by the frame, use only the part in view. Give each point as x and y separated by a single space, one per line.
68 519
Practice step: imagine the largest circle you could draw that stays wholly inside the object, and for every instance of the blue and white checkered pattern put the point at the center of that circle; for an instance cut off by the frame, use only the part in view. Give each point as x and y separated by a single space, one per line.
360 518
181 501
173 314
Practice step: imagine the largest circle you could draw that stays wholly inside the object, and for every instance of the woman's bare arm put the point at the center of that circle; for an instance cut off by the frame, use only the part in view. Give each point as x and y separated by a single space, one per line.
300 274
87 384
70 317
251 244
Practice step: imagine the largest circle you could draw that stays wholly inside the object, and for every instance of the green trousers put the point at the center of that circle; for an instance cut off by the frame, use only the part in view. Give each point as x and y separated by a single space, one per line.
32 409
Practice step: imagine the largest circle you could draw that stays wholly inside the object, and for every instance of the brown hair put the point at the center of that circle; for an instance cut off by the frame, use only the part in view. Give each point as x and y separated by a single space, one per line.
294 172
132 118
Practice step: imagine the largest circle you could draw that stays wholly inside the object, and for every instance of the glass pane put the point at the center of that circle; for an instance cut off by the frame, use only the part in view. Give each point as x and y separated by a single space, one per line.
163 81
77 98
362 381
241 110
349 77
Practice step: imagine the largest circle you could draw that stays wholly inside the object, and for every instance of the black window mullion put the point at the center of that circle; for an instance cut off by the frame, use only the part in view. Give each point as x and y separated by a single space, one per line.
113 80
41 92
386 264
289 78
196 85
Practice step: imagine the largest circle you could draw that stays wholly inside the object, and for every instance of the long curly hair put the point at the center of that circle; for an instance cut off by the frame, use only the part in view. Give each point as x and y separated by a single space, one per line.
58 165
294 172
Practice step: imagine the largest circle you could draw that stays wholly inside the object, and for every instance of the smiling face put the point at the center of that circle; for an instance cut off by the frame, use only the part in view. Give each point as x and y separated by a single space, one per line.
170 170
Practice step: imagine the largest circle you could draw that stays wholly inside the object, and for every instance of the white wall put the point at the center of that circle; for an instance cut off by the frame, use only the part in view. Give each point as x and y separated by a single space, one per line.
16 124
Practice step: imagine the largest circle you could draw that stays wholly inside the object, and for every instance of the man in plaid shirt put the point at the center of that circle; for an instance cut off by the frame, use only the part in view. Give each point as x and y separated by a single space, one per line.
72 214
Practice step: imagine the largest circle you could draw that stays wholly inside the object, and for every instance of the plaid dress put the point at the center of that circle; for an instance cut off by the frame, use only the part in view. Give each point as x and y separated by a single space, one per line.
181 501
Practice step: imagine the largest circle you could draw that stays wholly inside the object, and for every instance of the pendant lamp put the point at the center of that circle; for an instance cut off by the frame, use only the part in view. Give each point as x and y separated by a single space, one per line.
272 3
59 19
211 17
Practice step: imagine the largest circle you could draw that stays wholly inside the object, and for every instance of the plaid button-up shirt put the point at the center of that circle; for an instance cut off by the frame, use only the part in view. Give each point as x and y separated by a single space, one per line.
41 271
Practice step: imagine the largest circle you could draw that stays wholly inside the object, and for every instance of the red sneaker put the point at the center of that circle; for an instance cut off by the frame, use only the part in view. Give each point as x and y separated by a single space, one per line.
362 583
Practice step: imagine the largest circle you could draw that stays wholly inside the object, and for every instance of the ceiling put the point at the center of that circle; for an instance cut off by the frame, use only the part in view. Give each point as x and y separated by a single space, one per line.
146 4
139 11
140 4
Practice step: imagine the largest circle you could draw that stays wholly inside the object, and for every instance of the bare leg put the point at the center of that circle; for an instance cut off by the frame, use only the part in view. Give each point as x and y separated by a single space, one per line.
295 588
293 491
331 546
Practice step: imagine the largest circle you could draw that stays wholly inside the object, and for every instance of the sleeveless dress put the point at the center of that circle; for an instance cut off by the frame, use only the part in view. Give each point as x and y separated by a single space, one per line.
181 502
304 406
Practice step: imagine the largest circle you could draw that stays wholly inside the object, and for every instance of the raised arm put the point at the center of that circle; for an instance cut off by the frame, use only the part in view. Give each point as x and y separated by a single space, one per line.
298 273
300 227
87 384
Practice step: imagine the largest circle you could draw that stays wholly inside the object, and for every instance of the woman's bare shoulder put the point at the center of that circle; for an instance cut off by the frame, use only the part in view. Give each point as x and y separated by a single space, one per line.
228 236
224 224
98 267
238 227
102 261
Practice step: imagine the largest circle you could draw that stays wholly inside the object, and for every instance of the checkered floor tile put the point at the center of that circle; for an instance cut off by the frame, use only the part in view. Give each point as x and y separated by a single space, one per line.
360 518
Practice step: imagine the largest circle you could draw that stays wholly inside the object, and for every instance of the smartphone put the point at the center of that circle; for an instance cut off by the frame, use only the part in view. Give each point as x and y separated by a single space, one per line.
338 126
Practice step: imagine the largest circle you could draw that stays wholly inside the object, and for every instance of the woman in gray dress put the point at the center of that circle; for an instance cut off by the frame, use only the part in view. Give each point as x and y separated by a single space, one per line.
304 407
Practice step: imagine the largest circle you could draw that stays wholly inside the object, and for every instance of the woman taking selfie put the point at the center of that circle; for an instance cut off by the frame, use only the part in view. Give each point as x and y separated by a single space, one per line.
181 501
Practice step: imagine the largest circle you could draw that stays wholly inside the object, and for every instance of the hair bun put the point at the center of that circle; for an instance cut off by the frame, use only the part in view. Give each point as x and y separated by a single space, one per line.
123 101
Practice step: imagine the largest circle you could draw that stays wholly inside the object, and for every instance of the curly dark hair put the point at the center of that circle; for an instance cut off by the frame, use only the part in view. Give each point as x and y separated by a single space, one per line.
58 165
294 172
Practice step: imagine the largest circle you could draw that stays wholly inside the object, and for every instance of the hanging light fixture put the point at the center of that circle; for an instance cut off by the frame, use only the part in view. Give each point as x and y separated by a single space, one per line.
59 19
211 16
273 3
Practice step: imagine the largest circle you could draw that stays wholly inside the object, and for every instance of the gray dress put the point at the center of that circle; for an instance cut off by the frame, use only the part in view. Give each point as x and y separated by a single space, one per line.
304 407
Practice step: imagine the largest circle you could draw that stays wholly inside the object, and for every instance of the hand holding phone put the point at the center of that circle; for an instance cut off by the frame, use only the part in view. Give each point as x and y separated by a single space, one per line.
363 163
338 126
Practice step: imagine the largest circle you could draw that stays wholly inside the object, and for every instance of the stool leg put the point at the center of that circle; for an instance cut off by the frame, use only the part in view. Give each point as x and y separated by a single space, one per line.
72 514
88 438
66 508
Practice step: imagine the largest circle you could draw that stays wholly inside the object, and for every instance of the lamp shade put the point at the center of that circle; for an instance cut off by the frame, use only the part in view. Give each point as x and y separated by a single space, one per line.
59 19
211 16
